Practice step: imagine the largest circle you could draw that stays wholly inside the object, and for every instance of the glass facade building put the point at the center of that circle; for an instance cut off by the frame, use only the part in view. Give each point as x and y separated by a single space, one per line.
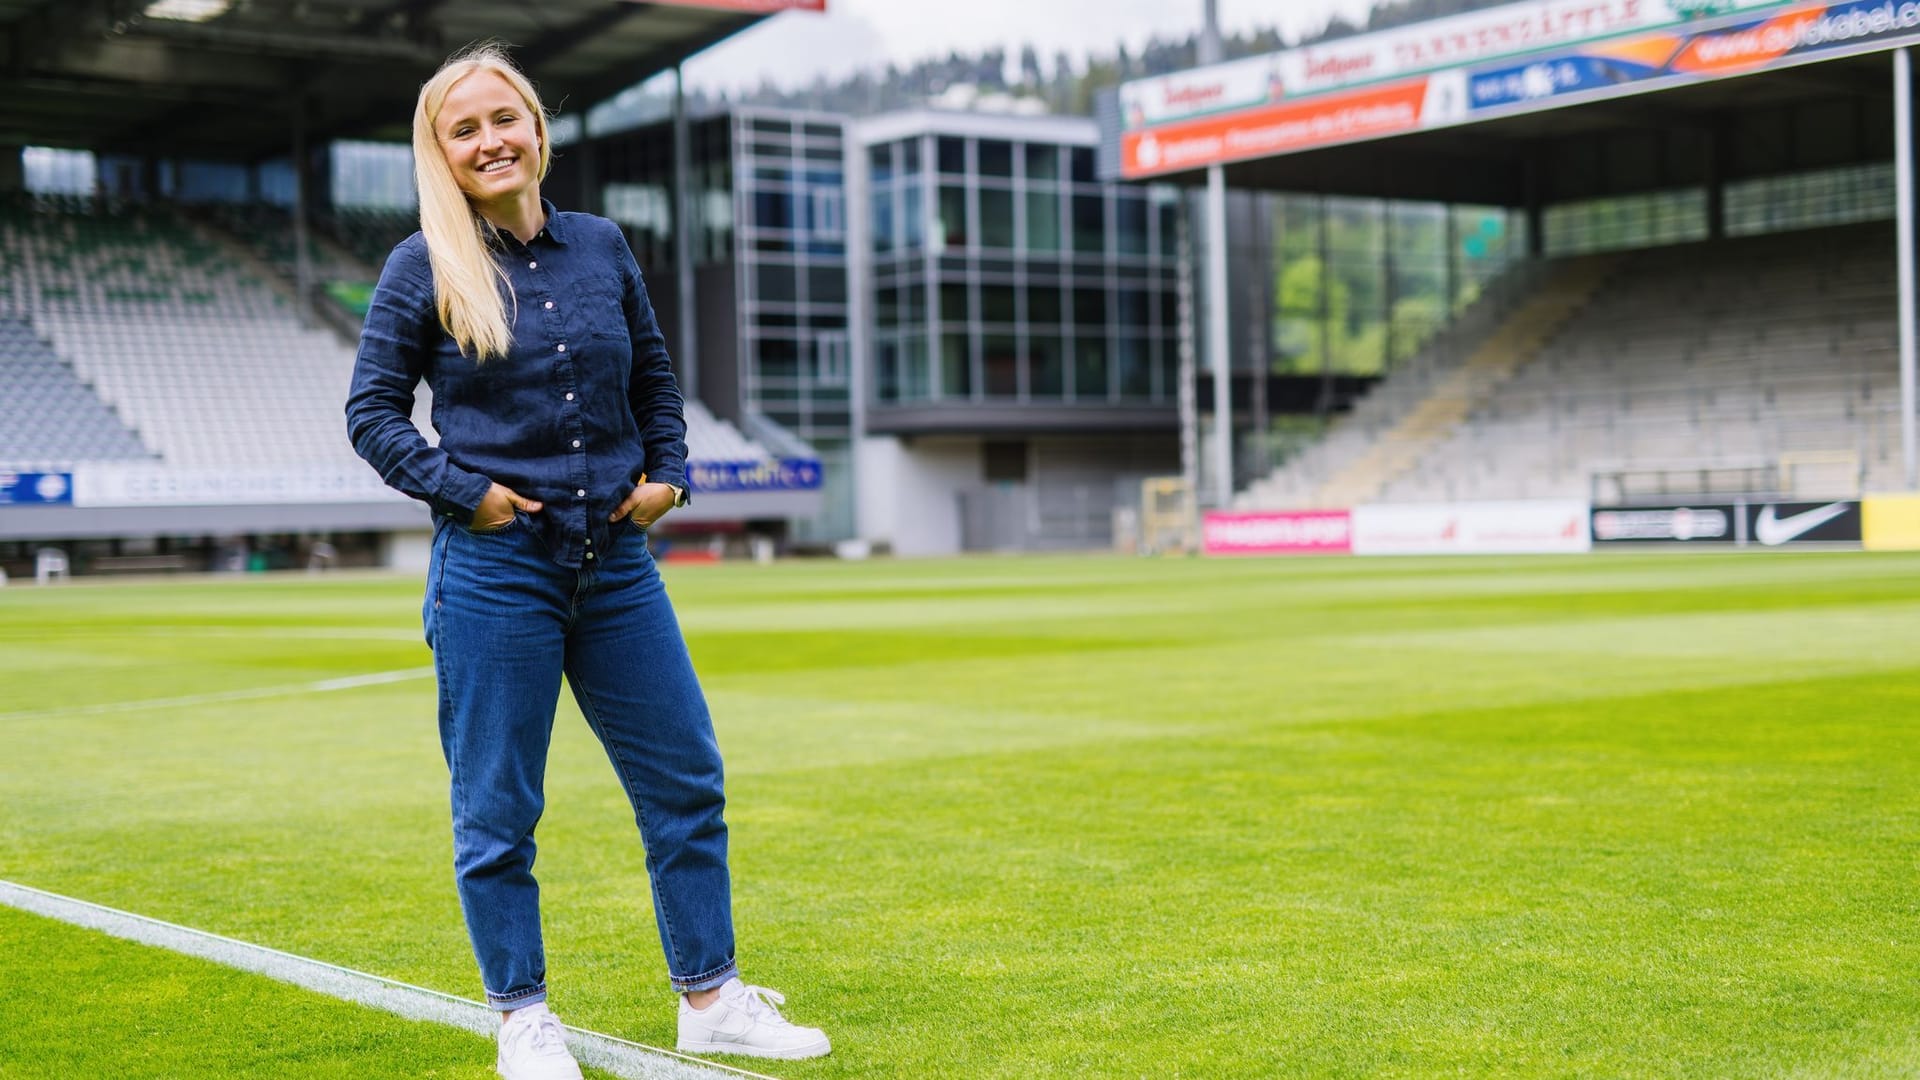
769 251
1003 272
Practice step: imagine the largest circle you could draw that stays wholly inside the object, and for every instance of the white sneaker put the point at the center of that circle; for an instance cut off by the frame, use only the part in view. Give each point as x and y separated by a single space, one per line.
533 1046
743 1020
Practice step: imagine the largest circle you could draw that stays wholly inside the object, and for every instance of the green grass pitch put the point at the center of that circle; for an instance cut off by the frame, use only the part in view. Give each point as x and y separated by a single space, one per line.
1653 815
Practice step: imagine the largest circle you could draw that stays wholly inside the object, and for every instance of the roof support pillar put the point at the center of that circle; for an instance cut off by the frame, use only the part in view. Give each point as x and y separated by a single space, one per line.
1536 211
1903 215
1716 181
1218 343
689 351
302 266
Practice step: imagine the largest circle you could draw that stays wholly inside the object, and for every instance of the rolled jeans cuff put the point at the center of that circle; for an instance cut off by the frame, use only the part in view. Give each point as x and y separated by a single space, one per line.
717 977
532 995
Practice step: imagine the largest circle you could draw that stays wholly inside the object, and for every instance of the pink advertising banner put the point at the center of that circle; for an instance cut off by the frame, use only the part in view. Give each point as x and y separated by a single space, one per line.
1281 532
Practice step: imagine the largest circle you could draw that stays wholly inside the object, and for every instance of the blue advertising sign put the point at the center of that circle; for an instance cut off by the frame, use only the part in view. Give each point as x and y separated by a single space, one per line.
787 474
34 488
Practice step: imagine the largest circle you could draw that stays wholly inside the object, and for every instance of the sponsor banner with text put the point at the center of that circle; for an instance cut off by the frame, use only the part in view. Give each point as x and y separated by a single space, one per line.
164 485
1432 45
1284 532
787 474
1232 120
35 488
1291 125
1709 523
1797 34
1526 527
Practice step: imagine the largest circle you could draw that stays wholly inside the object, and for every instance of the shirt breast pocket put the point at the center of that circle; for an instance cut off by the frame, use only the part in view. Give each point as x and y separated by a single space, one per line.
606 318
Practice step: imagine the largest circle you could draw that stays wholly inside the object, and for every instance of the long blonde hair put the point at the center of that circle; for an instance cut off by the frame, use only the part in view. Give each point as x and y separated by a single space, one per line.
467 283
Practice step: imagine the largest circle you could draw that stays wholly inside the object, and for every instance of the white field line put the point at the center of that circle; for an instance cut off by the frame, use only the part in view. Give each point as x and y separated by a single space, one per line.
350 682
630 1060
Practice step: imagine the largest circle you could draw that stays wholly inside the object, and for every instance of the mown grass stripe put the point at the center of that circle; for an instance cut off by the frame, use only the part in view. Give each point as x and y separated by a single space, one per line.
620 1057
349 682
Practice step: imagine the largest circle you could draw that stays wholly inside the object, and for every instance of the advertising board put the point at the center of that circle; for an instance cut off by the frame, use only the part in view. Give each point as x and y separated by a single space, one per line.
1712 523
1468 38
1776 523
1542 526
162 485
1518 58
787 474
1284 532
1766 524
35 488
1890 522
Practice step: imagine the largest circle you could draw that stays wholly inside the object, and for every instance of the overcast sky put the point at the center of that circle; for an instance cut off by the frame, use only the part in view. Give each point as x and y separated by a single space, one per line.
793 48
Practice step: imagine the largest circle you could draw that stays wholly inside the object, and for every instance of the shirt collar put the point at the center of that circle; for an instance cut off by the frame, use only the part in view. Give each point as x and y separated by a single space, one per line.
506 241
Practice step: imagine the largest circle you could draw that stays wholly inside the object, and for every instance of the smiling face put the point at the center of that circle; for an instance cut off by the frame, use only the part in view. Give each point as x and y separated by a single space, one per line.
491 140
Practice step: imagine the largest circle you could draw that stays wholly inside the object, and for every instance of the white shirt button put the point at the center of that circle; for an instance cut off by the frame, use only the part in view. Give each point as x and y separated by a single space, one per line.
549 305
569 395
589 554
562 347
582 492
533 266
589 541
576 444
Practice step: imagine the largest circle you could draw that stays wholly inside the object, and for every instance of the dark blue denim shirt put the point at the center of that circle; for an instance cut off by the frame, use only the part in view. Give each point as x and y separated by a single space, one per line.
578 410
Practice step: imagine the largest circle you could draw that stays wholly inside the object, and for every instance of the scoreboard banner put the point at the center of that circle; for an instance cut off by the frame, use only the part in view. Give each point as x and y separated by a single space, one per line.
1494 65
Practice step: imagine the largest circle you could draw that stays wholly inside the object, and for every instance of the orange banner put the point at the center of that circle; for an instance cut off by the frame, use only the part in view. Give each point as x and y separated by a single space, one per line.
1322 120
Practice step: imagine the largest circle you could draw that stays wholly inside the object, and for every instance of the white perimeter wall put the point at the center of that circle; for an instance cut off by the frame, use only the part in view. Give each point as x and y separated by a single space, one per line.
909 494
409 551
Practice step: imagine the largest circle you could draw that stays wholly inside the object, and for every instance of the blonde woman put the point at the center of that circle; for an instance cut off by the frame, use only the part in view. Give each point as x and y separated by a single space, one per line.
562 441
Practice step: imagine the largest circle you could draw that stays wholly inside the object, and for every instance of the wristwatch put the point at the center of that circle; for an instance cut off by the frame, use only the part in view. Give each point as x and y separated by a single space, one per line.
679 494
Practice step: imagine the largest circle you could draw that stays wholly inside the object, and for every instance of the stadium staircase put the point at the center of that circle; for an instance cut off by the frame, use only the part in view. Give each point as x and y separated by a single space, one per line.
1755 355
1397 443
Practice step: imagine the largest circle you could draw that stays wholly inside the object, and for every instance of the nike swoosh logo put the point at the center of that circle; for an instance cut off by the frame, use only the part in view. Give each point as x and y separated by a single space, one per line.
1773 531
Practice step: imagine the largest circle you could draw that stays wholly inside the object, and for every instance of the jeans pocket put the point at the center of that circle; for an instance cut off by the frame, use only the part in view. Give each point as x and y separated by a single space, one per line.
496 531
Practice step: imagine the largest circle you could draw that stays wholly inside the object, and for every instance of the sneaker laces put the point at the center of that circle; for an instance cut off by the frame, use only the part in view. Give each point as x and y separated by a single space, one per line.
759 1003
545 1035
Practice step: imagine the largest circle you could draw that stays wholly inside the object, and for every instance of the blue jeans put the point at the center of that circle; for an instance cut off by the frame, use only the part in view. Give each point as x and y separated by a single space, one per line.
505 622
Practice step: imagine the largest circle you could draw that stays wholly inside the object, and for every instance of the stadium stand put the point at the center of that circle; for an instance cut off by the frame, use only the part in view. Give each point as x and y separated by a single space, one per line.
268 232
144 307
143 313
50 419
369 233
1742 354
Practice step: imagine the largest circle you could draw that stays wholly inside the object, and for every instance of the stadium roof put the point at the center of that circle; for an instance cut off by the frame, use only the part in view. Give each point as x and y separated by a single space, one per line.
1534 102
1840 112
224 78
